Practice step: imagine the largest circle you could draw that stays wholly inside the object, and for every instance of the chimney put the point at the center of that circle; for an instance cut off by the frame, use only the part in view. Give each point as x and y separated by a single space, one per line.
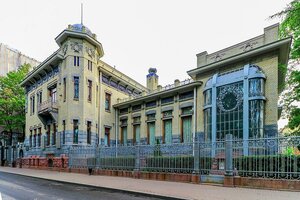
152 79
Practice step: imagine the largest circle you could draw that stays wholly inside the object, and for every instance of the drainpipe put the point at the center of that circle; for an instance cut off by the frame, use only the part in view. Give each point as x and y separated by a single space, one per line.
100 110
195 116
116 130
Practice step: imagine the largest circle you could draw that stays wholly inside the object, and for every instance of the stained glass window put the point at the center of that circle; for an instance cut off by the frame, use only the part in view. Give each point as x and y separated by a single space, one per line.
256 87
207 97
230 110
256 118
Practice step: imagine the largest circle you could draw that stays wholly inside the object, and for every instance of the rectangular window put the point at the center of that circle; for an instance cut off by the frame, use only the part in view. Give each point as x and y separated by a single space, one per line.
90 65
34 138
76 87
89 133
48 135
30 139
151 133
136 134
151 104
53 94
54 134
75 131
65 89
76 61
39 136
107 101
107 137
167 100
186 129
32 104
90 90
124 135
64 132
167 131
39 99
136 107
186 95
123 111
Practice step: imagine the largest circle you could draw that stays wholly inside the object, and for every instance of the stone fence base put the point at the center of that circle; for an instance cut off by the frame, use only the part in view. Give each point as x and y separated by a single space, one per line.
229 181
49 162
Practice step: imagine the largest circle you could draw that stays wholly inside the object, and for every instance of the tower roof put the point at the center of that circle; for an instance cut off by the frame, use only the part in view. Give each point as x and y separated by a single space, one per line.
81 28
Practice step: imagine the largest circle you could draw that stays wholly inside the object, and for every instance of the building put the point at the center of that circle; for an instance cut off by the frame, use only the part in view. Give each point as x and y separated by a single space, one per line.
76 99
11 59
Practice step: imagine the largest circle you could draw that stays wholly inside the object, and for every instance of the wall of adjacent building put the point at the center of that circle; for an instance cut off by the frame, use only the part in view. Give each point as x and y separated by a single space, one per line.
11 59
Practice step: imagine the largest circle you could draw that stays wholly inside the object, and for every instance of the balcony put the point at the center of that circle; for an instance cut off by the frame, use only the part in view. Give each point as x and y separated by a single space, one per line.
47 105
48 110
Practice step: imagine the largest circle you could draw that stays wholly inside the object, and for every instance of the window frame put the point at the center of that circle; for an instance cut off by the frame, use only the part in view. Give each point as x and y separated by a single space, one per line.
89 132
107 102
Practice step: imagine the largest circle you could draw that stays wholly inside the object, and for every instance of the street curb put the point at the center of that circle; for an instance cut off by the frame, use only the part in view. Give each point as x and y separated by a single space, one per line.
102 187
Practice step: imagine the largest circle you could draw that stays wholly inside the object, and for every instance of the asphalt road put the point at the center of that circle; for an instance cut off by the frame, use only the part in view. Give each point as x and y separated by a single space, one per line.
25 188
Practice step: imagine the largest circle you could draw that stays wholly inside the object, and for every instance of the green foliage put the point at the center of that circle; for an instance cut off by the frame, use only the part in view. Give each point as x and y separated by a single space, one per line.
273 166
119 163
290 26
179 164
12 101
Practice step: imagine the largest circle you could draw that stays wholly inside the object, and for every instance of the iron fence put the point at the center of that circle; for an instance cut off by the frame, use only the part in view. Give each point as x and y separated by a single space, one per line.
277 158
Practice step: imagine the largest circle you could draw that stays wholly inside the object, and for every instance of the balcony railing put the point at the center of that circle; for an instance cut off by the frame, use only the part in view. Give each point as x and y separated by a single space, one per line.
47 105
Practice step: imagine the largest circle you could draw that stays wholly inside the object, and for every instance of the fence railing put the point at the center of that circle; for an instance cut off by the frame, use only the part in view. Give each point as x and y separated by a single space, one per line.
277 158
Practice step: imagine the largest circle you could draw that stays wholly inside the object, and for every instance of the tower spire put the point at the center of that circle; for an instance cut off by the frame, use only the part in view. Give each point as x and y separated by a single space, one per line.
81 13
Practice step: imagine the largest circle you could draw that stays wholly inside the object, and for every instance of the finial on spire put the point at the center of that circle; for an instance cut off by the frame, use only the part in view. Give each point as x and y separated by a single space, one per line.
81 13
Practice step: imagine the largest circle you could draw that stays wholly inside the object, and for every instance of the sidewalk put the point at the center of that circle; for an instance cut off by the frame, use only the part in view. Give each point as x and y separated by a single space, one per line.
161 188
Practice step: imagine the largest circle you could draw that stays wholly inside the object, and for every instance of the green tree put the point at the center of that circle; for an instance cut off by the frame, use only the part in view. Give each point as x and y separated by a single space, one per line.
290 26
12 102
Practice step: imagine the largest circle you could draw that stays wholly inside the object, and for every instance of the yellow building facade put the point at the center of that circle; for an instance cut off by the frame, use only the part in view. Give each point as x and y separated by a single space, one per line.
75 99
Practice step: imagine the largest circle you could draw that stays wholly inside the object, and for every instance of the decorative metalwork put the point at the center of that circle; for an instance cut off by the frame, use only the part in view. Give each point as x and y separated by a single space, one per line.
167 114
276 158
151 117
230 98
187 111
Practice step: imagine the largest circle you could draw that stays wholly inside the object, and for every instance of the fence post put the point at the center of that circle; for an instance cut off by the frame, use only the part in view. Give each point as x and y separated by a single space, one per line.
228 179
228 155
196 155
136 173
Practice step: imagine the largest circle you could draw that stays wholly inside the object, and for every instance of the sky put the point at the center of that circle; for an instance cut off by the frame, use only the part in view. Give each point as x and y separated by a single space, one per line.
139 34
